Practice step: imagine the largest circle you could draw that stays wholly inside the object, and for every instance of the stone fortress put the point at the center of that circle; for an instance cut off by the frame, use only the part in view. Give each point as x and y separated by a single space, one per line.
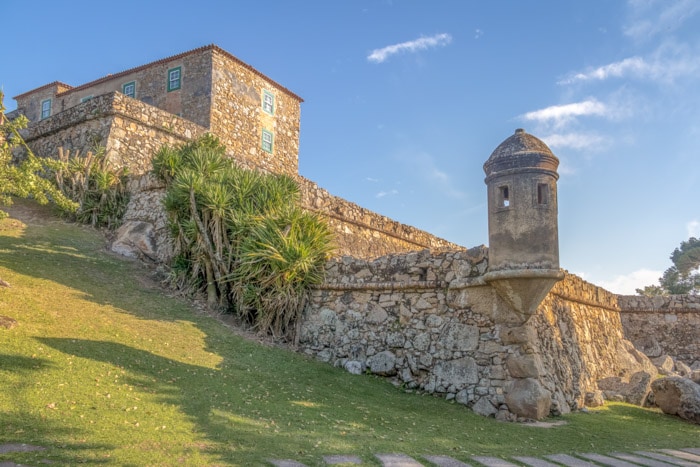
501 329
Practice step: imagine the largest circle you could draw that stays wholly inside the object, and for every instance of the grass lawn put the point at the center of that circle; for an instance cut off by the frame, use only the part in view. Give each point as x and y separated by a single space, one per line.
103 367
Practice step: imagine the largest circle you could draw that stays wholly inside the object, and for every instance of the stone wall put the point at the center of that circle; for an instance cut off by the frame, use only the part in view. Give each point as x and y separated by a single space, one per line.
130 130
430 322
365 234
238 118
664 325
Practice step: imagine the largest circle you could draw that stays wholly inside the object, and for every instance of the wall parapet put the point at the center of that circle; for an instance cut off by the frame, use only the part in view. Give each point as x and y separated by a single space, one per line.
661 303
363 233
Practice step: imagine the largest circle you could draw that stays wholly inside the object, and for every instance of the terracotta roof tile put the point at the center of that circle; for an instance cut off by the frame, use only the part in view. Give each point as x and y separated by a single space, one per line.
170 59
55 83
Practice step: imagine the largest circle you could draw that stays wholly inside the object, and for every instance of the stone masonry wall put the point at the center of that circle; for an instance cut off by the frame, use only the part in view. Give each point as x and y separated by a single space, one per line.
365 234
664 325
238 118
430 322
130 130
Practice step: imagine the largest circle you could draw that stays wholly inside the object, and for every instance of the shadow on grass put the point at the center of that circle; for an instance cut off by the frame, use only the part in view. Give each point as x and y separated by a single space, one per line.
75 256
228 424
19 363
21 427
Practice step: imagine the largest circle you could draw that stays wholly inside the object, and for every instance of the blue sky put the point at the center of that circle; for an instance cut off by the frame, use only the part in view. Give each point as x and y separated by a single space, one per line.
406 99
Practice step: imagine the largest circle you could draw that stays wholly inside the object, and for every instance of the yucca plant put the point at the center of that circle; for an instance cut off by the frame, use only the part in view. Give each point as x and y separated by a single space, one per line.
240 235
93 183
280 259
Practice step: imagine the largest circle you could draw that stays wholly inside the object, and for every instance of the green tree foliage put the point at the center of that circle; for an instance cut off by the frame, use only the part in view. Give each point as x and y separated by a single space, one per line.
684 276
240 236
25 178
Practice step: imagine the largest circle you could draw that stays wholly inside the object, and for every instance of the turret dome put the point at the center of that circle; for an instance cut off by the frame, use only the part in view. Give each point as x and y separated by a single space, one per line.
520 151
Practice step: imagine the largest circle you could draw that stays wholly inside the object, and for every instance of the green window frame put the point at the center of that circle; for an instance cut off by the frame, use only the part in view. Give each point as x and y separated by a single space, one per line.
267 141
129 89
174 78
85 99
45 108
268 102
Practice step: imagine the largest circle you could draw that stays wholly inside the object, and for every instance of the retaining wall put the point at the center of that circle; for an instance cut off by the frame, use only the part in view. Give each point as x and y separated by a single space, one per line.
428 321
664 325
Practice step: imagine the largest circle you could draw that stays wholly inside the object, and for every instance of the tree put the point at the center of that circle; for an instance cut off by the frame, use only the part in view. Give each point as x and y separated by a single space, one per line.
23 179
684 276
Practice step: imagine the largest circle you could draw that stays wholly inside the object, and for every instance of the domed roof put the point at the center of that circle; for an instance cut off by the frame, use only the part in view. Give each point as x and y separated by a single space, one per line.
521 150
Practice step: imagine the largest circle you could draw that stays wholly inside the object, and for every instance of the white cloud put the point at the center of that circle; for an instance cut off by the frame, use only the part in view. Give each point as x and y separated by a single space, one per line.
561 114
373 180
478 33
666 64
652 17
382 194
627 284
633 65
693 228
423 43
574 140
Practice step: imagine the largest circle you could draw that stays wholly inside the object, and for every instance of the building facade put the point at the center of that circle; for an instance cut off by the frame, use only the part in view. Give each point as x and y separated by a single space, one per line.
255 117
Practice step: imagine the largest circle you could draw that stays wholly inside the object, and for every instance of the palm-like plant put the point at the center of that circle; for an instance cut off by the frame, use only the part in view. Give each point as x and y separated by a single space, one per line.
240 236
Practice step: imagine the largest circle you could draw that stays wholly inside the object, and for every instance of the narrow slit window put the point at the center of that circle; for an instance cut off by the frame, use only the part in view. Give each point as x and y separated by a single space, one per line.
504 196
542 193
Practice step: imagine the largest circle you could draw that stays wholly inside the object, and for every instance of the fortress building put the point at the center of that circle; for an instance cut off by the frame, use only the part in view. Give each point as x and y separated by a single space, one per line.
500 329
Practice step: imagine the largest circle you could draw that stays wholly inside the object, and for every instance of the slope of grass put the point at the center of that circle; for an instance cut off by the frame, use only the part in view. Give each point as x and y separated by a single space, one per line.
104 368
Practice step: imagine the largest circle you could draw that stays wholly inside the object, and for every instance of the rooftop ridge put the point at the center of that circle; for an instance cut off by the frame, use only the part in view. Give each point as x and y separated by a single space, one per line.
212 47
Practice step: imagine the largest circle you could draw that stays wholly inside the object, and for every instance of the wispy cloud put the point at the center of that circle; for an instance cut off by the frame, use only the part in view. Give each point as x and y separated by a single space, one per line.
383 193
422 43
441 180
626 284
666 64
649 18
613 70
478 33
561 114
373 180
693 228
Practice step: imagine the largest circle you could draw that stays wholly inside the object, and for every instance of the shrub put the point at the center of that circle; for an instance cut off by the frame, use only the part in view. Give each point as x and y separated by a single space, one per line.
240 235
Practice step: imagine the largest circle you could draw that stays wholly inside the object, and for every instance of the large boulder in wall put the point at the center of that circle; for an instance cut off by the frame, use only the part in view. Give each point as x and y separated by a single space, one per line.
678 396
528 398
136 239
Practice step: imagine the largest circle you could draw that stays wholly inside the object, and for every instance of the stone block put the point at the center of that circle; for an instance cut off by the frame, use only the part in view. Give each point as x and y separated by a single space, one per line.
678 396
382 363
528 398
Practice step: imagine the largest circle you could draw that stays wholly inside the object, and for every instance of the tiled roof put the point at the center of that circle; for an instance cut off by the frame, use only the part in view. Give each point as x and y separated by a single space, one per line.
55 83
165 60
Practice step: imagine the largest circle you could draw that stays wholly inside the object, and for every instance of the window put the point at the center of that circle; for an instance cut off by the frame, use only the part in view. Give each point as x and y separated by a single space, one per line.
174 78
503 196
268 103
46 108
85 99
129 89
542 193
267 141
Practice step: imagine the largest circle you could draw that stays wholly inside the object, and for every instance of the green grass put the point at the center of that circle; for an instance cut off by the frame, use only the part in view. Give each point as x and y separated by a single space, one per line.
104 369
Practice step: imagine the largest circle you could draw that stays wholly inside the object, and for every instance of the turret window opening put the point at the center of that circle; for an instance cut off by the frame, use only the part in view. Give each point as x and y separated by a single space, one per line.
503 196
542 193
